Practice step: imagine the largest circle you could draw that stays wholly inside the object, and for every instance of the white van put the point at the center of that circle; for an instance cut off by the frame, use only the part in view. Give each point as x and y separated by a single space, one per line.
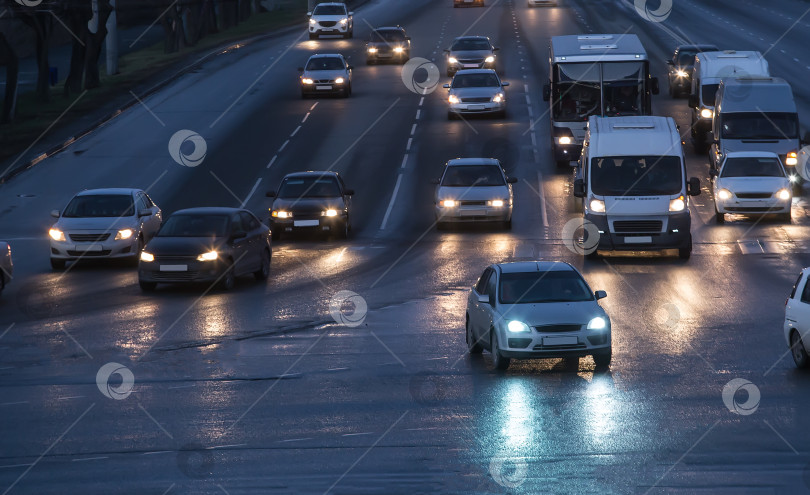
710 69
632 178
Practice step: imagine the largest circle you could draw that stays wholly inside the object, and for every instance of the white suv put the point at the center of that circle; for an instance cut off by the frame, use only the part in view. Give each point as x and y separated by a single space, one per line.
330 18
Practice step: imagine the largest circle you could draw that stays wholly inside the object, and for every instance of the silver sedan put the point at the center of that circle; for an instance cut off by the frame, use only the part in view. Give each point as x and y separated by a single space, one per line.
473 190
538 309
476 91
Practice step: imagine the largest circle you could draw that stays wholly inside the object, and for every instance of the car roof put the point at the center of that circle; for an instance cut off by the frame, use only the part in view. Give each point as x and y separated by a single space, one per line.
123 191
326 55
535 266
751 154
390 28
471 38
208 210
331 3
472 161
312 173
476 71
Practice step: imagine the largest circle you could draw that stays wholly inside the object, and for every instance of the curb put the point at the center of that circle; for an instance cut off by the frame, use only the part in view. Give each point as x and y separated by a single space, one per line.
220 50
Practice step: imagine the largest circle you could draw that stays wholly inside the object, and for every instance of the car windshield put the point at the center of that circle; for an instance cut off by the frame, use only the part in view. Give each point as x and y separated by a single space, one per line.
329 10
195 225
757 125
325 63
709 92
470 44
636 175
309 187
543 287
387 35
686 58
754 166
479 80
100 205
473 175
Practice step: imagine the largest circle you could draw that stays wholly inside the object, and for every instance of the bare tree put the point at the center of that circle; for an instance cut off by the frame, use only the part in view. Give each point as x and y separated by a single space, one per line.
9 59
39 17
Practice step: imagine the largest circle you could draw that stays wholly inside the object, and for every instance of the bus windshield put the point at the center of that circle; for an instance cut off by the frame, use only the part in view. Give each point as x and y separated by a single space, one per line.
580 88
623 86
636 175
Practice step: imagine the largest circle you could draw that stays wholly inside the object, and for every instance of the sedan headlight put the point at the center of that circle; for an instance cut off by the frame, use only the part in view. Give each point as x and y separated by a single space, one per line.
707 113
681 73
209 256
452 60
56 235
339 80
312 21
372 49
344 21
497 203
453 99
516 326
147 257
792 159
281 214
597 205
677 204
489 59
597 323
724 194
498 98
124 234
448 203
783 194
330 213
564 139
399 49
306 80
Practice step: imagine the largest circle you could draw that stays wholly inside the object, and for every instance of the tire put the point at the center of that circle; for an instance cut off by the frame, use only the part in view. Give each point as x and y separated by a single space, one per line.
501 114
264 270
451 116
370 61
571 363
786 217
344 232
347 91
228 280
602 360
797 350
473 346
313 36
276 233
349 35
147 286
563 163
593 255
719 217
441 226
57 264
685 253
2 282
500 363
137 258
507 225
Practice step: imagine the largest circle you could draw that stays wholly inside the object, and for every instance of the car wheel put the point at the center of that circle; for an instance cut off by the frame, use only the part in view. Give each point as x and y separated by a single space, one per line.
593 255
370 61
602 360
276 234
452 116
473 346
571 363
303 95
441 225
313 36
786 217
57 264
349 35
507 225
137 258
685 252
344 232
229 277
719 217
501 114
797 350
499 362
264 270
2 282
147 286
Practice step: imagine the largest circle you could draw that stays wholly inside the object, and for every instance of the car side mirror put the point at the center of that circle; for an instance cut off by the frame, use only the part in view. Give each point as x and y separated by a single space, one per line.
407 38
55 213
446 50
483 298
351 14
511 180
349 192
300 69
655 88
350 67
238 235
670 62
579 188
505 84
435 181
309 14
446 86
145 213
600 294
694 102
495 48
694 186
270 194
546 92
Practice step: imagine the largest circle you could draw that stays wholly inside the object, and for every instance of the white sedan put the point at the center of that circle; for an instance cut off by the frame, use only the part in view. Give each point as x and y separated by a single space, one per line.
6 266
538 309
797 320
473 190
751 182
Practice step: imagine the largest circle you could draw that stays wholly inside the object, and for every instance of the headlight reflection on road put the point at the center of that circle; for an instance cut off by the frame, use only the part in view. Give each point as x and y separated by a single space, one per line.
519 421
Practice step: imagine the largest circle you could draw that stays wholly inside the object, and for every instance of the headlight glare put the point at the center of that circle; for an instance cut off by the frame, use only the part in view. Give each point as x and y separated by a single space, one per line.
147 257
453 99
312 21
452 60
344 21
498 98
564 139
209 256
281 214
724 194
792 159
330 213
372 49
56 235
448 203
497 203
783 194
399 49
707 113
597 205
516 326
306 80
489 59
681 73
677 204
597 323
339 80
124 234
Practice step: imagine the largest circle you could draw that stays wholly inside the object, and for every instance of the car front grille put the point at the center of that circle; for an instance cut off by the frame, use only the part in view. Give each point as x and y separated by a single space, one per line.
541 347
754 195
470 60
473 203
476 99
323 81
175 258
749 209
89 237
174 276
623 226
558 328
89 254
327 24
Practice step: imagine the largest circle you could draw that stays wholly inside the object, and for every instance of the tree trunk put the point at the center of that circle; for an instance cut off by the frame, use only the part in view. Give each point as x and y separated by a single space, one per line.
94 43
76 18
9 59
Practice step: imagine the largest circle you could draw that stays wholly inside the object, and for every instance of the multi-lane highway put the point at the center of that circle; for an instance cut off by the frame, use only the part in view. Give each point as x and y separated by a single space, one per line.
261 390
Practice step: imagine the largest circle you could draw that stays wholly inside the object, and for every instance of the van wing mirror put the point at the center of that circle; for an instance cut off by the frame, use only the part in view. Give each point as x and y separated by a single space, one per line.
654 86
806 139
512 180
579 188
483 298
600 294
55 213
694 186
694 102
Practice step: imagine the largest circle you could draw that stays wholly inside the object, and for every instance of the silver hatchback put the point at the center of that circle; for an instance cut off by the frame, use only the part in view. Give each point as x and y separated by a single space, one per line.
476 91
473 190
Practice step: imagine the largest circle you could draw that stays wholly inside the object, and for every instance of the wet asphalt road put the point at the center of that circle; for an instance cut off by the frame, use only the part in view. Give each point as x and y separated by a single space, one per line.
260 390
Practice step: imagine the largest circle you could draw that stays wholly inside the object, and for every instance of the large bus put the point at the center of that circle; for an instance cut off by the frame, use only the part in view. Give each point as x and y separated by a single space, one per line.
603 75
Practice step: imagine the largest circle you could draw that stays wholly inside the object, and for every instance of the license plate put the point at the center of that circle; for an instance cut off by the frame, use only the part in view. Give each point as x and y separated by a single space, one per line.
323 87
383 55
471 66
555 341
644 239
476 107
468 1
174 268
327 30
306 223
472 213
89 248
